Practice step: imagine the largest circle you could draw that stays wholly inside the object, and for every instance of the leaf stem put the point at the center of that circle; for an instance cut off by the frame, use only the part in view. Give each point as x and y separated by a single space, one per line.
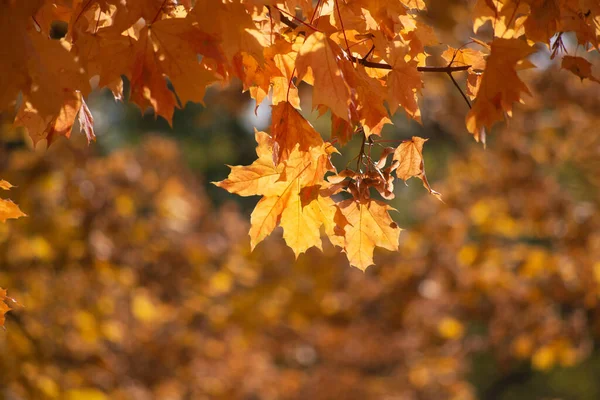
158 12
292 22
464 96
361 153
337 7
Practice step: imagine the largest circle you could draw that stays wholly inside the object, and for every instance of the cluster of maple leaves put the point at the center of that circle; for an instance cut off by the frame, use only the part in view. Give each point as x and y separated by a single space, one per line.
358 55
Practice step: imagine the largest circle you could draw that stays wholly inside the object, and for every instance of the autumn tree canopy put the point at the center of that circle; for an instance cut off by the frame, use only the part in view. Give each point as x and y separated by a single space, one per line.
364 59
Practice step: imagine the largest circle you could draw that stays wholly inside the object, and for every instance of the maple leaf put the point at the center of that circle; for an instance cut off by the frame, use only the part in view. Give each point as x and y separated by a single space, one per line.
257 178
581 17
283 55
349 92
388 14
465 56
291 194
329 67
419 36
49 12
409 162
542 22
580 67
5 185
51 128
368 109
290 204
8 209
369 226
341 130
108 54
43 70
506 16
404 84
500 85
86 122
257 78
474 58
290 130
154 61
4 308
232 25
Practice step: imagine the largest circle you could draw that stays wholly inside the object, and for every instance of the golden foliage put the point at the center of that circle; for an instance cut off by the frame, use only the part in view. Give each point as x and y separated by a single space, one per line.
358 56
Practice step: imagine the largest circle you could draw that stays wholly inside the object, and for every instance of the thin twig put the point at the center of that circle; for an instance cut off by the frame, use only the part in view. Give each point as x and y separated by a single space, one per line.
98 22
337 7
459 89
81 12
36 23
369 53
361 153
158 12
317 7
294 22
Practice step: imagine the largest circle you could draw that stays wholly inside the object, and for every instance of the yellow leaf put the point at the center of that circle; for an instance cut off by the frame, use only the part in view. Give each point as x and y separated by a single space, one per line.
8 209
4 308
5 185
289 204
369 226
291 189
290 130
404 84
260 177
500 86
408 162
327 62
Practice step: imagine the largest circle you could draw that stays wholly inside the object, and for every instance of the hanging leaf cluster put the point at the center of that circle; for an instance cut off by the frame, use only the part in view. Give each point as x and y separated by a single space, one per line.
364 59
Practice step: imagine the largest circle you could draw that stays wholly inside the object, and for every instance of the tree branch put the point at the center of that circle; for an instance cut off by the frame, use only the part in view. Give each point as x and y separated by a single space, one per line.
448 69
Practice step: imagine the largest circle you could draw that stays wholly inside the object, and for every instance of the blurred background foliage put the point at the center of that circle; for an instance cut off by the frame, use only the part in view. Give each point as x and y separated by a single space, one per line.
136 280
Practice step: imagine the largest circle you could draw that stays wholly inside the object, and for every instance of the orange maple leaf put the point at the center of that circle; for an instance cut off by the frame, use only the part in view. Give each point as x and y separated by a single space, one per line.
47 74
329 66
257 178
500 86
8 209
506 17
369 225
232 25
290 130
291 192
404 84
4 308
466 56
579 66
408 162
154 61
51 128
